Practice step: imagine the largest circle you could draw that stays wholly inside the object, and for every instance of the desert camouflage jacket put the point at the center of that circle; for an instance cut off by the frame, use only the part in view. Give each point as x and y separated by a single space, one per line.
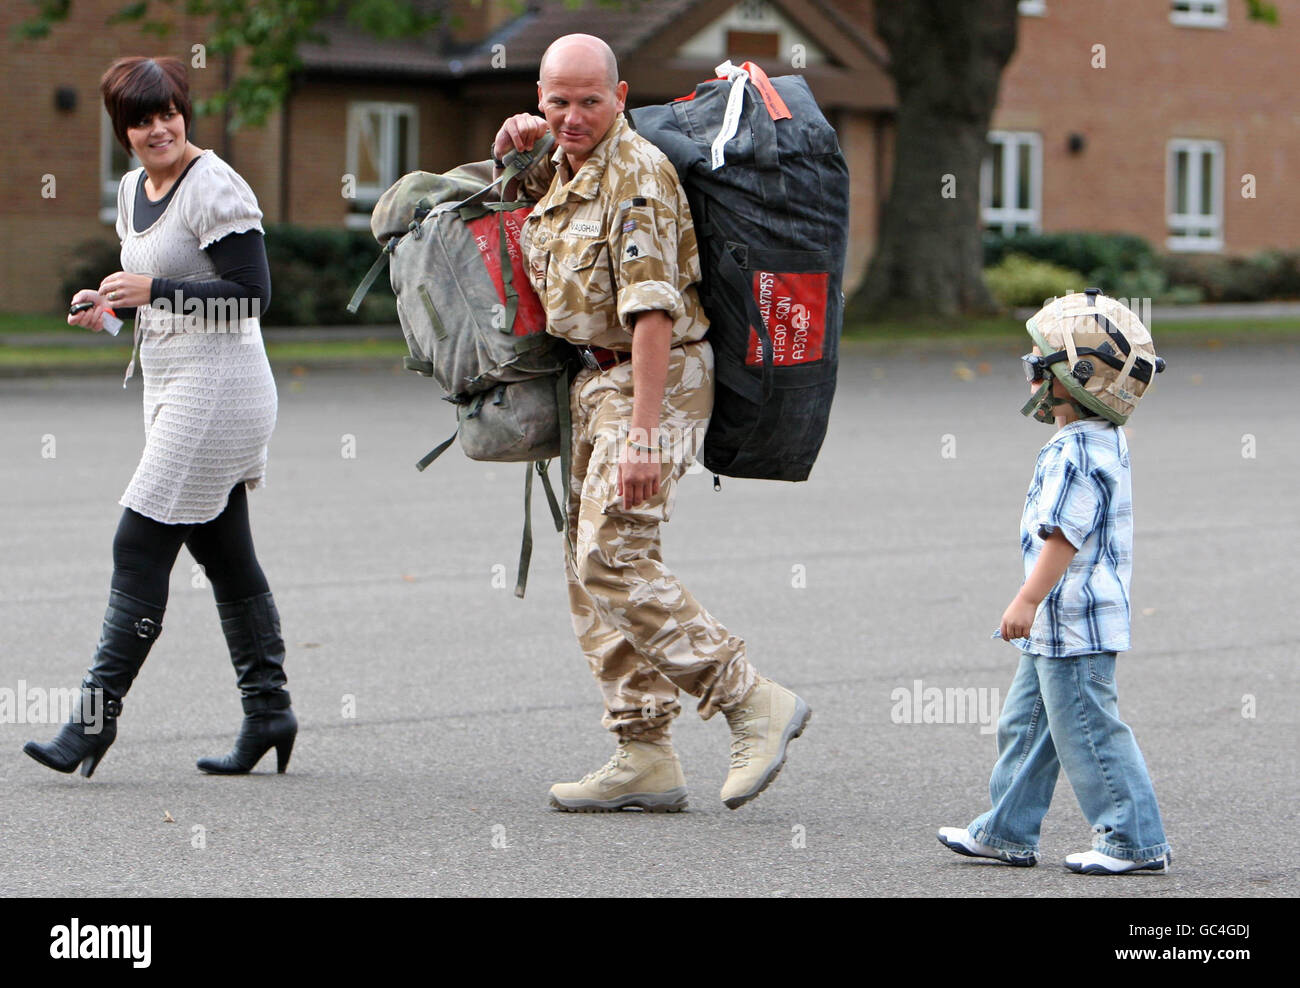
613 240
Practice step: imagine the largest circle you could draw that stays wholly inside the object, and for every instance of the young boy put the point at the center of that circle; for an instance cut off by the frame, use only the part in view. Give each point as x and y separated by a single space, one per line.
1091 362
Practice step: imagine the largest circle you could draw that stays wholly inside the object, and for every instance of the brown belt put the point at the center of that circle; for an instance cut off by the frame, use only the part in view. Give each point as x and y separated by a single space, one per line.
599 358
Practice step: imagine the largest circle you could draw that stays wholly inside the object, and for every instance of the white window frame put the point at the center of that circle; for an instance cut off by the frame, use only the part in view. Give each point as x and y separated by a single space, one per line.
1006 218
360 208
1199 13
108 179
1184 222
1033 8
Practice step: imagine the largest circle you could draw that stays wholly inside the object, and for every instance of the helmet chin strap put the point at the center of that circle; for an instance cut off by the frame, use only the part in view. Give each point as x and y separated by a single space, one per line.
1042 404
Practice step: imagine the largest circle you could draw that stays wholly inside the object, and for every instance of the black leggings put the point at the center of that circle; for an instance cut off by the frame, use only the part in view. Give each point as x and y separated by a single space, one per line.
145 550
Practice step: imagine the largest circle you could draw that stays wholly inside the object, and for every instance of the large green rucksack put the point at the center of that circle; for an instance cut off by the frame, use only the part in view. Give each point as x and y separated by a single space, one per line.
472 321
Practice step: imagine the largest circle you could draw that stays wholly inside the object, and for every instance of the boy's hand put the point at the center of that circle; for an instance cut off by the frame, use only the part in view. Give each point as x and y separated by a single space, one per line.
1018 618
1052 563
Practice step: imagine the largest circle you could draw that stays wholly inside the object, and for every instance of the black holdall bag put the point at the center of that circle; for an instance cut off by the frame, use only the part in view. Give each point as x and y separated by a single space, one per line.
769 194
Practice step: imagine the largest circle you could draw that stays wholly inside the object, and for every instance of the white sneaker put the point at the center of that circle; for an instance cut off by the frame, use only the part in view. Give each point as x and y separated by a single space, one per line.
1100 863
959 839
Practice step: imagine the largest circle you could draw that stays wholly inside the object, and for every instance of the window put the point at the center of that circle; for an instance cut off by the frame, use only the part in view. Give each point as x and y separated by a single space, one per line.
381 149
1199 13
1034 8
1195 195
113 164
1011 181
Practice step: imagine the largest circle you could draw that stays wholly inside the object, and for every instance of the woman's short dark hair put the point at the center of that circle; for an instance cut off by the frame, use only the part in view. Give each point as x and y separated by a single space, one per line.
137 87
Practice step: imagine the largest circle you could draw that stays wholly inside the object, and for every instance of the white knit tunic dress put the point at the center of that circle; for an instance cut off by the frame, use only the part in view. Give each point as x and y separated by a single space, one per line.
209 397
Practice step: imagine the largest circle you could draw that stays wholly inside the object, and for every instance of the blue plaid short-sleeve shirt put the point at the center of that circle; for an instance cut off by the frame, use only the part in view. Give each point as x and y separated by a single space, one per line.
1082 487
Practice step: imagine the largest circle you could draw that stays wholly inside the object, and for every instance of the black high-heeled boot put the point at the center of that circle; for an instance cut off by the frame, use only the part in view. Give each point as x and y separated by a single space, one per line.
252 630
130 628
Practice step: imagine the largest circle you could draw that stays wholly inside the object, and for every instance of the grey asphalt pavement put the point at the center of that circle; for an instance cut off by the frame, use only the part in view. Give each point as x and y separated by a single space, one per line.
436 708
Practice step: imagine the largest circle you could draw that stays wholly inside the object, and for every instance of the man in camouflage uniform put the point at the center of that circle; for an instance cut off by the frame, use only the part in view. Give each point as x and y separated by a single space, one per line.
611 251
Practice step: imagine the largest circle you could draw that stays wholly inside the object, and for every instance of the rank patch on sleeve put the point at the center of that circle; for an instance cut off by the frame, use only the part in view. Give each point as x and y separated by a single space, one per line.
632 251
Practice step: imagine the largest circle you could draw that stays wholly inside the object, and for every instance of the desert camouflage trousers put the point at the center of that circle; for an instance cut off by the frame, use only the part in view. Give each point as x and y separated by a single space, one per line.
643 633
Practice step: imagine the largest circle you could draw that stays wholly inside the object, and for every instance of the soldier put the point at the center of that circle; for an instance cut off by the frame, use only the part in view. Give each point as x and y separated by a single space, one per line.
611 251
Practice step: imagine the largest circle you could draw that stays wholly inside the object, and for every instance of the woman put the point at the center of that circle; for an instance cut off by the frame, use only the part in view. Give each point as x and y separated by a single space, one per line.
194 269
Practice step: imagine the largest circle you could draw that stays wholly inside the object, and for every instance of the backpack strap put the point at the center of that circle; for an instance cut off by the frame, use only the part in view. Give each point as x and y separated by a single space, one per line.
517 162
507 276
380 263
437 451
557 515
736 378
562 383
526 545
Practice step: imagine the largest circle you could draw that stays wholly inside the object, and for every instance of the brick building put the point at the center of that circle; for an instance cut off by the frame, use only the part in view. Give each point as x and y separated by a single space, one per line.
1177 120
1152 133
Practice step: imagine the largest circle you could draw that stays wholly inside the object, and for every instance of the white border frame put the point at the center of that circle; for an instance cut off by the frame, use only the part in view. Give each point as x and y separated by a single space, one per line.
356 219
1194 147
1204 13
108 182
1010 216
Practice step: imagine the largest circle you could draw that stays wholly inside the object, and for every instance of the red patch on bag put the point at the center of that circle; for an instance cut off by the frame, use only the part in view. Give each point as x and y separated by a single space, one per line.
794 310
486 230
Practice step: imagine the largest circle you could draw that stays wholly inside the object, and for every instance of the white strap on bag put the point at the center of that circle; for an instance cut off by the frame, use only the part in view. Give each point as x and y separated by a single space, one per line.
731 119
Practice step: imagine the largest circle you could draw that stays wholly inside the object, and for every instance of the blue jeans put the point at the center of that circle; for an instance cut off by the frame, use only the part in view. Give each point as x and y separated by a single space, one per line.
1063 713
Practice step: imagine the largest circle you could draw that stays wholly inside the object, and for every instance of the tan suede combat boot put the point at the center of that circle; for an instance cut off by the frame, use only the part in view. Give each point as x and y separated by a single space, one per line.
762 724
639 774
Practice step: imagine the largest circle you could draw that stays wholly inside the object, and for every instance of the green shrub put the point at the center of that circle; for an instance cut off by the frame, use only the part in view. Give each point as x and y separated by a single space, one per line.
1270 274
313 275
89 263
1021 280
1126 266
1101 258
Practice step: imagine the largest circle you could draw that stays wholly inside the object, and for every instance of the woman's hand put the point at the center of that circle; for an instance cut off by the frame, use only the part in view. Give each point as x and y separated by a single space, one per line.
92 318
126 290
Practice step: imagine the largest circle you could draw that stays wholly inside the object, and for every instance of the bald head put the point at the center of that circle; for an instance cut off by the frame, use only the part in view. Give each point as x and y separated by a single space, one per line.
579 93
579 54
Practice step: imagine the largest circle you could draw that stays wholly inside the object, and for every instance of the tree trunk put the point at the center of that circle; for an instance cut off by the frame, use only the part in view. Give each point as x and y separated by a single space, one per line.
946 59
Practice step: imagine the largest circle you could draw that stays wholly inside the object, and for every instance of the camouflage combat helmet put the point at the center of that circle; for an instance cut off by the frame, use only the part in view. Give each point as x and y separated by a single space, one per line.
1098 348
